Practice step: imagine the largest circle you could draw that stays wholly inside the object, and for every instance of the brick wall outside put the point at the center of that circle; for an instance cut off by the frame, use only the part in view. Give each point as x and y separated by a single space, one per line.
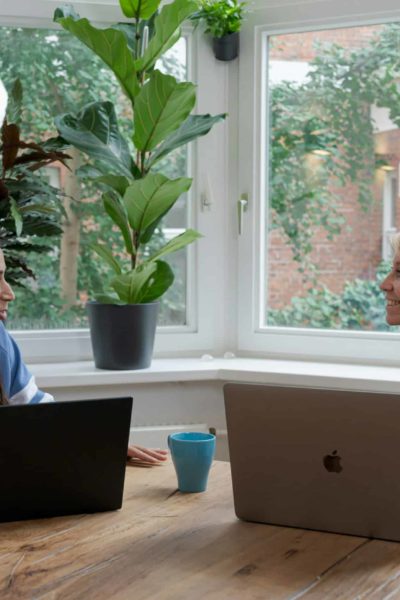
354 254
301 46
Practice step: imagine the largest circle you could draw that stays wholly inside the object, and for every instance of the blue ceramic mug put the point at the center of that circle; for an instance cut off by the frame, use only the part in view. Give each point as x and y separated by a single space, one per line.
192 454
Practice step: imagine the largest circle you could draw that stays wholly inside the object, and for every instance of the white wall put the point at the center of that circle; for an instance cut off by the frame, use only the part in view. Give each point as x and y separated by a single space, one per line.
163 405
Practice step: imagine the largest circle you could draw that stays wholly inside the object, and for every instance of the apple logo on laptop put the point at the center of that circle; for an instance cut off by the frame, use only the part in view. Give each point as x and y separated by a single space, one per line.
332 462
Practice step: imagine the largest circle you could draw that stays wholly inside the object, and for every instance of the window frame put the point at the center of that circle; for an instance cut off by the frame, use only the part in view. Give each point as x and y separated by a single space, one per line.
388 203
204 330
269 18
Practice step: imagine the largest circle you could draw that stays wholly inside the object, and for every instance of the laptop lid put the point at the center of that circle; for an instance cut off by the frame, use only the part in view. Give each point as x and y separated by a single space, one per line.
315 458
60 458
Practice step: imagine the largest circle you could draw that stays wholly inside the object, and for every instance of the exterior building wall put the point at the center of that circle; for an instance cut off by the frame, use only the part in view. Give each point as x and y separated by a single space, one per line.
301 47
357 251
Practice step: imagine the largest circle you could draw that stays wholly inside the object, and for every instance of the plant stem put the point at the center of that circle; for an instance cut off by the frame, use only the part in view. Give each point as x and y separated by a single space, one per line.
137 34
135 240
142 163
137 38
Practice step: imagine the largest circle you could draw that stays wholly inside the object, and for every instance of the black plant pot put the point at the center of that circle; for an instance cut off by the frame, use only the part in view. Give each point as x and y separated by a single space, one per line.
227 46
122 336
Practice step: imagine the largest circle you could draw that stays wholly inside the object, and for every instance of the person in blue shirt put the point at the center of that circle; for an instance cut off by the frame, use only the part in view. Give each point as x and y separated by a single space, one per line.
17 384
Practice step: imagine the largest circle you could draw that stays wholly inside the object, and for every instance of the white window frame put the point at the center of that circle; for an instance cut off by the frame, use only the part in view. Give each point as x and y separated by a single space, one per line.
204 331
271 17
388 223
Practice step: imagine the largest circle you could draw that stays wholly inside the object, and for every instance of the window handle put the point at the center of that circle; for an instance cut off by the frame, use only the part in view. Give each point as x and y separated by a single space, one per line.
242 207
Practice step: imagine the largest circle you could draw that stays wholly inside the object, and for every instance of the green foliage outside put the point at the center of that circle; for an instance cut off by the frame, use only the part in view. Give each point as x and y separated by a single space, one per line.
330 111
360 306
322 139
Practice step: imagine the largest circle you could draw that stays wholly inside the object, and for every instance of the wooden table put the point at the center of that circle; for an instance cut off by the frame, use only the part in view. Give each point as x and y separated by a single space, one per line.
166 545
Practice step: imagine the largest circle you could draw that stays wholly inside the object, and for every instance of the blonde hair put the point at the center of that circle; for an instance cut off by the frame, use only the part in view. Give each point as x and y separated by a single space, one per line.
395 242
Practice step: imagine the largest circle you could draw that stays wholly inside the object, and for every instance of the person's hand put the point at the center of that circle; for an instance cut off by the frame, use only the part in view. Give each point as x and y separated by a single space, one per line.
146 456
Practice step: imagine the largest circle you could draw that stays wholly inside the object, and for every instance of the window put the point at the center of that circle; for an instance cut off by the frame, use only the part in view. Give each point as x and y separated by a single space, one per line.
389 201
60 75
329 155
325 138
185 321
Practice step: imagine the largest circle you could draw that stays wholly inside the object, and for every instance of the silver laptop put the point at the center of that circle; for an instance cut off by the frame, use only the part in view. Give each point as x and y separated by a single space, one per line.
316 459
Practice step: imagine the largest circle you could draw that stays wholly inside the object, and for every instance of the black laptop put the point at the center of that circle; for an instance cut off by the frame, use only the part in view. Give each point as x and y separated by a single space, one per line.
61 458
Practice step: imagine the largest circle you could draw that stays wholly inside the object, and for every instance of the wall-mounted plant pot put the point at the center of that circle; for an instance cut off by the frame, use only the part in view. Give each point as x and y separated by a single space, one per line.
122 336
226 47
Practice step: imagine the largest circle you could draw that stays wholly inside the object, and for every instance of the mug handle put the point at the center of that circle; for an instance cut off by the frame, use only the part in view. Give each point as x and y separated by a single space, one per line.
169 442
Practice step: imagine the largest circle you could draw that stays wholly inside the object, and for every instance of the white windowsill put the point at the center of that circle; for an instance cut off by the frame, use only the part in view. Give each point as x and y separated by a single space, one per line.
307 374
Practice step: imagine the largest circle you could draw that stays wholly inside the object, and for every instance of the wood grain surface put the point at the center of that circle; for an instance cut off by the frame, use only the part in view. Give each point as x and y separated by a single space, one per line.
164 545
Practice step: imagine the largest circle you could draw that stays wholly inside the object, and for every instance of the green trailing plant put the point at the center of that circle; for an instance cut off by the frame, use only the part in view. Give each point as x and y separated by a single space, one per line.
220 17
137 197
30 208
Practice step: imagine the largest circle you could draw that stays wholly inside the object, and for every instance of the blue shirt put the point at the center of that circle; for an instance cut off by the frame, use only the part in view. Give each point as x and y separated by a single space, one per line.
18 382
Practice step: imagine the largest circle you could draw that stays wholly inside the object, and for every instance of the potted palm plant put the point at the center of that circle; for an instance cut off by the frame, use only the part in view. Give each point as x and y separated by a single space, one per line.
123 318
223 20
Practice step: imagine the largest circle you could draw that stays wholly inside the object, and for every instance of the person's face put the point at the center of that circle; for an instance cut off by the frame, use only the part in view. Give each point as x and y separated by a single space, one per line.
6 293
391 287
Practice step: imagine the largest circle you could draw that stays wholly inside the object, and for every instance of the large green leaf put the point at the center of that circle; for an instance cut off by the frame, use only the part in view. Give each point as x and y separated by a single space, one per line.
139 8
178 242
149 198
94 130
162 105
107 298
131 287
161 280
129 31
147 234
128 8
109 44
193 127
107 256
119 183
116 210
167 31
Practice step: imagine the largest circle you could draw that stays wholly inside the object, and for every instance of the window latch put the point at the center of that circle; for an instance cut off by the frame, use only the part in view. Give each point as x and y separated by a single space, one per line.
242 207
206 198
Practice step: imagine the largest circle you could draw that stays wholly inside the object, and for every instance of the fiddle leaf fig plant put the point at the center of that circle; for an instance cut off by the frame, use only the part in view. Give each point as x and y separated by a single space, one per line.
137 197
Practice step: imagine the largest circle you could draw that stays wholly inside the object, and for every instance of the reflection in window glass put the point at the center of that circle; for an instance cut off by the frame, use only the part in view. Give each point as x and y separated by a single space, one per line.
333 128
60 75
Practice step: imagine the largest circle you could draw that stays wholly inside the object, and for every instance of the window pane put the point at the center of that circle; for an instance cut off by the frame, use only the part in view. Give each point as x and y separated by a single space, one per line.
59 75
333 139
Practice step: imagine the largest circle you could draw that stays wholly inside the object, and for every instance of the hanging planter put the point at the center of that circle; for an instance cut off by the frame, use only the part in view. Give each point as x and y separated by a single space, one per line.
226 47
222 20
